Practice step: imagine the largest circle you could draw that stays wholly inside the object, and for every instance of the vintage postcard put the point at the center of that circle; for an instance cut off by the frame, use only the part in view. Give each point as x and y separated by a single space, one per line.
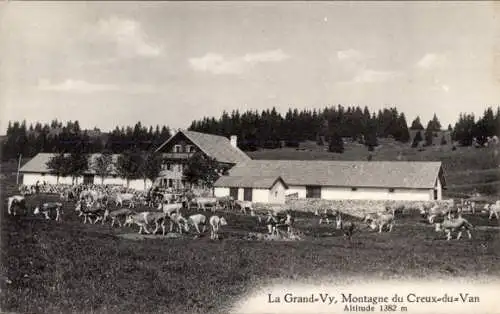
250 157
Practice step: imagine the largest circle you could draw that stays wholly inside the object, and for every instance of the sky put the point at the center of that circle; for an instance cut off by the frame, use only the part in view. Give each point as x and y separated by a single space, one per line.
169 63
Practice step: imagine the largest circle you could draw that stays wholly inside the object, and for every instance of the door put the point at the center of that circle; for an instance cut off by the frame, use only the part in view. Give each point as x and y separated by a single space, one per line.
247 194
233 192
88 179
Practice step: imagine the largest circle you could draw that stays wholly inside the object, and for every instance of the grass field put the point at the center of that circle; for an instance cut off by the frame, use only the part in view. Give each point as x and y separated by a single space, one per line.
50 267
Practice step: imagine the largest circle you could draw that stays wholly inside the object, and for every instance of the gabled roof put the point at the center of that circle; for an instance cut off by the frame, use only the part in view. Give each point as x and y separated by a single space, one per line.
215 146
386 174
248 182
38 164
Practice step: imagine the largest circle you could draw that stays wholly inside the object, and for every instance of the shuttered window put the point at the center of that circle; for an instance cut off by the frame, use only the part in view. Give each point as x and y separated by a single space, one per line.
247 194
233 192
313 192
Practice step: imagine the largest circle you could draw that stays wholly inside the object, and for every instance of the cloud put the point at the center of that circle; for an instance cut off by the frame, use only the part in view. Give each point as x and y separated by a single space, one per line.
128 36
81 86
371 76
219 64
350 55
431 60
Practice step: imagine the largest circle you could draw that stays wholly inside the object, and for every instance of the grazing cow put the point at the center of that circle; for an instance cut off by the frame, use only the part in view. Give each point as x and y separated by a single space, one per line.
170 208
288 222
95 209
140 219
180 221
326 216
48 207
202 202
14 202
381 221
244 205
435 212
158 219
226 202
196 221
215 223
370 217
347 227
121 197
272 222
453 225
116 214
493 210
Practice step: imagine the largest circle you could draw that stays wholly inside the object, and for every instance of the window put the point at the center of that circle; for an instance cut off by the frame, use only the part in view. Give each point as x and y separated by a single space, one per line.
233 192
313 192
391 190
354 189
177 148
435 194
43 174
188 148
247 194
170 183
167 166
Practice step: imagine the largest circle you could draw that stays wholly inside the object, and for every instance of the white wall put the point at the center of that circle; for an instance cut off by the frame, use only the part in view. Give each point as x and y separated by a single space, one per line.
296 189
439 190
260 195
333 193
221 192
277 193
32 178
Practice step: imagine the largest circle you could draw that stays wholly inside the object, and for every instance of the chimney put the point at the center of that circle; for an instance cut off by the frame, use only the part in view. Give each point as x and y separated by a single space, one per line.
234 140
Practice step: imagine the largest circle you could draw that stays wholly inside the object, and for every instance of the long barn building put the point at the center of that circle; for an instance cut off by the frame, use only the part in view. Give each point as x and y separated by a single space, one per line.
332 180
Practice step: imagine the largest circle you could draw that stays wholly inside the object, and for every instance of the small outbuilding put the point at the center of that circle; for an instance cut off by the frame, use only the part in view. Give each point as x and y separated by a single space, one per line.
255 189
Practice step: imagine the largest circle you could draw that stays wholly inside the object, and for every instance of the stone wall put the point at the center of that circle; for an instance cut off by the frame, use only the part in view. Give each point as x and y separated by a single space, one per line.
352 207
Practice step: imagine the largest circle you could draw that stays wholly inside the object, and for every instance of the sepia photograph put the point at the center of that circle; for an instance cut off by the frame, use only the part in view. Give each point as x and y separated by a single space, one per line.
250 157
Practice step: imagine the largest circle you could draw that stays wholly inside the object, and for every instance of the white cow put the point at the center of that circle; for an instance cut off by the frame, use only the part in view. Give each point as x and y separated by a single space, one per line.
121 197
202 202
196 221
493 210
453 225
48 207
179 220
14 202
381 221
215 223
115 215
169 209
244 205
140 219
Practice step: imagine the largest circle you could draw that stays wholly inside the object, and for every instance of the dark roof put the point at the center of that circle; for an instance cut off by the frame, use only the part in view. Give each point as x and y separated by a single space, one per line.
38 164
215 146
388 174
248 182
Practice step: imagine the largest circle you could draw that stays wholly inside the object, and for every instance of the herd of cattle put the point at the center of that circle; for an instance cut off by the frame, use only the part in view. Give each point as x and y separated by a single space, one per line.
96 203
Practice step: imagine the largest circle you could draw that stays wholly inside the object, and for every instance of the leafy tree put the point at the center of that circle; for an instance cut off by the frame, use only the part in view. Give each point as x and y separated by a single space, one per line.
129 164
416 124
59 166
151 167
201 169
336 144
78 164
417 139
103 165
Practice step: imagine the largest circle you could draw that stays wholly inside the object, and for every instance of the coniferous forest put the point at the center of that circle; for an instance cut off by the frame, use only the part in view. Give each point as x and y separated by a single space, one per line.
266 129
